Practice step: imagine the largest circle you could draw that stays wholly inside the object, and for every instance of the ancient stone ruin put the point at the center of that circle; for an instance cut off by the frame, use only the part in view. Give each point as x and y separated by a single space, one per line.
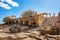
31 26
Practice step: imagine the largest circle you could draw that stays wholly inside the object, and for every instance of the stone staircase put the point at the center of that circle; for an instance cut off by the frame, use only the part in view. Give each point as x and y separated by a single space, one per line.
50 21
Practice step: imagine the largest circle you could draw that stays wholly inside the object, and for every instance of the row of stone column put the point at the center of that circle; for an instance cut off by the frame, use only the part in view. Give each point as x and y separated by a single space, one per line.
49 15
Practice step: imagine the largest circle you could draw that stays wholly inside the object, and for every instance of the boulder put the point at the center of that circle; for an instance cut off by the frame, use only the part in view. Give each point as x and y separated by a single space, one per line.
23 28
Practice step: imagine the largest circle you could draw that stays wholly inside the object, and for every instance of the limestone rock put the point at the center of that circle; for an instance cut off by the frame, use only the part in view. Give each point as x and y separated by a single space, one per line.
29 39
22 28
22 35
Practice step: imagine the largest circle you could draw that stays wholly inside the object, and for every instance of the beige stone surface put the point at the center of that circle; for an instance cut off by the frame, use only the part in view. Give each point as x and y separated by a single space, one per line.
29 39
33 34
21 35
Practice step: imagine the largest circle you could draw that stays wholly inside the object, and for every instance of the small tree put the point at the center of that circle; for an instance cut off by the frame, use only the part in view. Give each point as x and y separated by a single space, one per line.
29 13
6 19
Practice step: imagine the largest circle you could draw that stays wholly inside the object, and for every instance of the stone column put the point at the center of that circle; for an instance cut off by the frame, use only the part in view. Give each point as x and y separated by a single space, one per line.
46 15
54 14
50 14
15 21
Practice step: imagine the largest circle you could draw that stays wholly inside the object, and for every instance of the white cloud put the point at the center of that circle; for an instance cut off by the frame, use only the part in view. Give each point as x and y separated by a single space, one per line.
14 4
6 6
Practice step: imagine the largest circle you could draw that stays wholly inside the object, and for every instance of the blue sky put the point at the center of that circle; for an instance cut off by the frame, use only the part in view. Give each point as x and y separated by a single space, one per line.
50 6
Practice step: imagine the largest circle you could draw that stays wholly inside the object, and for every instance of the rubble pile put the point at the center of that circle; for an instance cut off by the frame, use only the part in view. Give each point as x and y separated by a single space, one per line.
33 34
